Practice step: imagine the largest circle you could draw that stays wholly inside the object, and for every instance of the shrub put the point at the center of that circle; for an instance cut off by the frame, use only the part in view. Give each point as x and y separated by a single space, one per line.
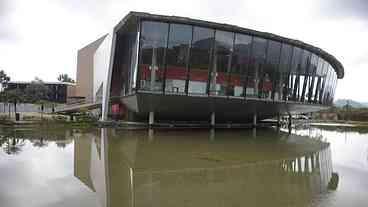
3 117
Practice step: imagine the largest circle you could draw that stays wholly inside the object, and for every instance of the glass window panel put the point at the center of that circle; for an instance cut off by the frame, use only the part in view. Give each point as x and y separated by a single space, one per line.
258 59
319 77
282 91
152 55
294 73
324 76
325 83
333 87
124 65
240 63
326 93
177 57
304 75
202 46
312 78
268 74
330 98
219 82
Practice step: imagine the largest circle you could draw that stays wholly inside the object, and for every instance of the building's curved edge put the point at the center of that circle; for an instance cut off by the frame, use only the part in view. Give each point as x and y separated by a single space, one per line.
338 67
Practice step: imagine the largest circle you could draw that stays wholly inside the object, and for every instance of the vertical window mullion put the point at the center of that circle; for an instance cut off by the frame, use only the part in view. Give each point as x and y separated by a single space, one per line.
297 78
261 70
277 73
229 65
245 82
165 59
188 63
305 81
289 85
138 80
210 63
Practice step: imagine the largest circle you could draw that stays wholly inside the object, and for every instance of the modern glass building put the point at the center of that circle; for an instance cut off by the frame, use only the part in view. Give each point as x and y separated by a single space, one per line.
182 69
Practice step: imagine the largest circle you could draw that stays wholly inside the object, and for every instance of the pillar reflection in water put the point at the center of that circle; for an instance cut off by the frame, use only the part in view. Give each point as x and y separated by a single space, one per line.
127 169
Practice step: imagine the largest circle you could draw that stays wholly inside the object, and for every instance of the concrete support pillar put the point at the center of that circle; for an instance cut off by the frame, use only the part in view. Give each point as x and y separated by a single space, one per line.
212 135
306 164
255 120
213 119
151 118
150 135
289 124
299 161
278 120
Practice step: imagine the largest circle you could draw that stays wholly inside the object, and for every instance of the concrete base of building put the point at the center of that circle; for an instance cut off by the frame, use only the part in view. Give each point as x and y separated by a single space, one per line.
181 125
182 108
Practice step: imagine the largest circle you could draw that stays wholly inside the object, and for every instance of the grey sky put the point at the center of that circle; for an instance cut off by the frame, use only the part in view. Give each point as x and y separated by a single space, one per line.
41 37
345 8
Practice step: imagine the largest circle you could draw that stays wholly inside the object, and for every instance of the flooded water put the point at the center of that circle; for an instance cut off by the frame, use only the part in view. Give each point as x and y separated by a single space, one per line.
325 166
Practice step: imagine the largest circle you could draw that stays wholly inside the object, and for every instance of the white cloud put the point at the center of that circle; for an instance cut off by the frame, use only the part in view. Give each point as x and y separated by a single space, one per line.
49 33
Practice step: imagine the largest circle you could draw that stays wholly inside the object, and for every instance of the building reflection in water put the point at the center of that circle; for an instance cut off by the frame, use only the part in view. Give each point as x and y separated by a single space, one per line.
146 169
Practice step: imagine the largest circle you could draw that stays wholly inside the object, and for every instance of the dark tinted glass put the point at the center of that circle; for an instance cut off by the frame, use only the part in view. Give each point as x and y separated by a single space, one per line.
258 59
240 63
123 78
268 74
324 77
202 48
152 55
222 64
312 81
294 73
303 76
319 77
326 89
282 89
180 37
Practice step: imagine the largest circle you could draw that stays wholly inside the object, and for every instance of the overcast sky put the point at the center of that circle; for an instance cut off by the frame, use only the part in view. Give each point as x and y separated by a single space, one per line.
41 37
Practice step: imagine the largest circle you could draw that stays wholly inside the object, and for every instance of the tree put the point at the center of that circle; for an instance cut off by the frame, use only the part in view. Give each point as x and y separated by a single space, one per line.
4 79
15 96
65 78
12 145
36 91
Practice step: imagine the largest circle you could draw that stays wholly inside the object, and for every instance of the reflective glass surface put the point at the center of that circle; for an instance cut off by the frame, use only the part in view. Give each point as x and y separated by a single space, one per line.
186 59
153 42
318 81
241 62
282 84
303 75
269 74
219 76
177 57
295 73
200 59
254 75
325 71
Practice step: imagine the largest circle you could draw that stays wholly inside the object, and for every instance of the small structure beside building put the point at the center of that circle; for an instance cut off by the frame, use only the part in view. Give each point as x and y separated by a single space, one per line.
58 92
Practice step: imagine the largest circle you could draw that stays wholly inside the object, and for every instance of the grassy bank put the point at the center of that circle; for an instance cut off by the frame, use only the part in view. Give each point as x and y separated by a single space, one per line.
48 120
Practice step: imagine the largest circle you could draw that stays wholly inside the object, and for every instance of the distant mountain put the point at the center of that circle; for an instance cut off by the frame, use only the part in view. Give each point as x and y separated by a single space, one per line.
365 104
354 104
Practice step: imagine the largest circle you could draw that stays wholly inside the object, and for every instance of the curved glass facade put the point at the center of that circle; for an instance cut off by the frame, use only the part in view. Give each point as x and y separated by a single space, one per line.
192 60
